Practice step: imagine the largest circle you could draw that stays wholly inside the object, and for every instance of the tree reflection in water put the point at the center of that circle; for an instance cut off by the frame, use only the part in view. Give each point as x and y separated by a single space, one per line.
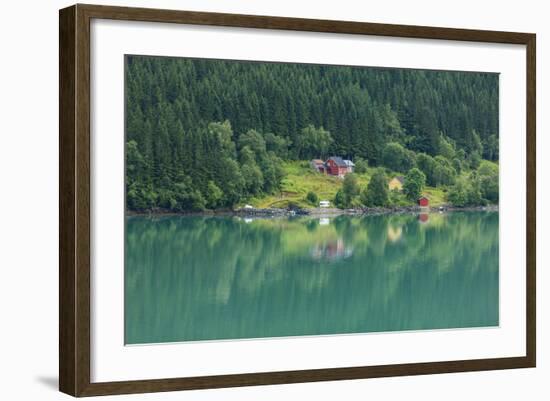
201 278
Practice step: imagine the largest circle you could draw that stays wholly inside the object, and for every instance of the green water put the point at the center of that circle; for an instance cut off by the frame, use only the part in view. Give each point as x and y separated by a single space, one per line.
207 278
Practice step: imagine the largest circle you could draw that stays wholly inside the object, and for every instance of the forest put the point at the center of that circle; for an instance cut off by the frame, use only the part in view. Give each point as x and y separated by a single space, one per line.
212 134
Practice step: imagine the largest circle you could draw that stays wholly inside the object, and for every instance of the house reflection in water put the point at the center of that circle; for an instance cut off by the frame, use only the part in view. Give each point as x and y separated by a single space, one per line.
423 217
330 251
394 233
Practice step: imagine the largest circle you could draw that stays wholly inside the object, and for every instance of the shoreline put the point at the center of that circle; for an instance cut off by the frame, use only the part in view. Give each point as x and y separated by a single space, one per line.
317 212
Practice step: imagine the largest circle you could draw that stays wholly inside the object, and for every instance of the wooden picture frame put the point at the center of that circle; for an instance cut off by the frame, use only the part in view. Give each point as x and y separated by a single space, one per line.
74 200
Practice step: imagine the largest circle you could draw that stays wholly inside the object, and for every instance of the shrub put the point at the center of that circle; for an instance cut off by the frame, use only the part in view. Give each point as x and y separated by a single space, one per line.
312 198
340 200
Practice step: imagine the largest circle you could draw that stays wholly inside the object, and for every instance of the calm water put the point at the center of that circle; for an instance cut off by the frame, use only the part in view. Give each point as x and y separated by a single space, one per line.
205 278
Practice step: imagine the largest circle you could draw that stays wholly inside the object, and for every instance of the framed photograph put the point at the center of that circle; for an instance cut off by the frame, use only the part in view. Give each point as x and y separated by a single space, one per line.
250 200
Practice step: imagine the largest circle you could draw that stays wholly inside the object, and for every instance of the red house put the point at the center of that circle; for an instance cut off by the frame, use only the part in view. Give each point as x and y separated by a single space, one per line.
423 201
336 166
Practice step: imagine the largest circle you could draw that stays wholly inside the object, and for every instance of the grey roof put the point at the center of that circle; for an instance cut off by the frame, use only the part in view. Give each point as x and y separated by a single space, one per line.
349 163
338 160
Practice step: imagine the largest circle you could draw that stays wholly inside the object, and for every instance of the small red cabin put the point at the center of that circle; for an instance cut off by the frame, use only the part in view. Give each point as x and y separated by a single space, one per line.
423 201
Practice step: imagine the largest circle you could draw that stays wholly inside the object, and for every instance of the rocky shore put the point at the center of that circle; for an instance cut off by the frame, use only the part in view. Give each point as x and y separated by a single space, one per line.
279 212
274 212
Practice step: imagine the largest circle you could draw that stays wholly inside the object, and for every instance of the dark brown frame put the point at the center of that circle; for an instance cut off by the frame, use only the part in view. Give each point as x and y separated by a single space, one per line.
74 199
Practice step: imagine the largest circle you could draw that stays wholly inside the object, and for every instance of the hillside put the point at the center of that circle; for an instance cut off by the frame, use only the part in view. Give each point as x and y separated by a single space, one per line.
215 134
300 178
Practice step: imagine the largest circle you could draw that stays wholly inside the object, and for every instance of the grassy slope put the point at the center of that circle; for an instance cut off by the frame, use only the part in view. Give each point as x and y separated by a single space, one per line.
300 179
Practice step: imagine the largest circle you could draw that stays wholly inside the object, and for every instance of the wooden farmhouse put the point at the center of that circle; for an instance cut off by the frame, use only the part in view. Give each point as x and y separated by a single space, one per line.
335 165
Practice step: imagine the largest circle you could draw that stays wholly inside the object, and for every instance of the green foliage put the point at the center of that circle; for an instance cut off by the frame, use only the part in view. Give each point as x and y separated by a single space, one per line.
438 170
457 165
490 147
312 198
362 108
277 144
350 187
397 198
443 172
376 192
272 171
476 146
414 184
487 168
210 174
313 143
195 125
254 141
222 133
214 195
345 197
475 197
427 165
231 181
397 158
446 147
390 123
474 160
458 193
488 174
140 198
135 163
253 178
340 200
466 191
361 165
